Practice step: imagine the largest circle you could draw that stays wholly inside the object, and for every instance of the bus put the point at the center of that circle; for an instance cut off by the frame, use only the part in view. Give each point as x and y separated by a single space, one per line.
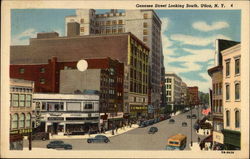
176 142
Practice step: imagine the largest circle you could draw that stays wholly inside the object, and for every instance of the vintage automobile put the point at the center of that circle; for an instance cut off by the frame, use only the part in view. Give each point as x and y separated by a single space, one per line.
152 130
171 121
98 139
184 124
40 136
59 144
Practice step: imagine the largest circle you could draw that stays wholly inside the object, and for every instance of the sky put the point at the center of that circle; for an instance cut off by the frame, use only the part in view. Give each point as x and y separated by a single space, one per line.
188 36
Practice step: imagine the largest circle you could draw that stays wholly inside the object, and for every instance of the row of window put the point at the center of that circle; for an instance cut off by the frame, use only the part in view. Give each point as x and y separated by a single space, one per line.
236 91
59 106
138 88
20 100
20 121
217 88
169 86
20 89
169 80
236 118
22 70
236 67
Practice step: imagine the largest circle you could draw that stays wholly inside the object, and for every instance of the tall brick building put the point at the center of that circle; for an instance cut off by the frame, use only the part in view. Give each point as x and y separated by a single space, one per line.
124 47
193 93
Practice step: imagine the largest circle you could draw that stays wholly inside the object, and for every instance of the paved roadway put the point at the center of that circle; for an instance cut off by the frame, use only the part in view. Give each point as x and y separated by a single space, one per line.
137 139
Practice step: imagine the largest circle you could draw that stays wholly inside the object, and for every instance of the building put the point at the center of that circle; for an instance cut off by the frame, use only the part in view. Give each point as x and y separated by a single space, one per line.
193 95
216 73
68 113
173 91
144 24
231 59
125 47
21 99
184 94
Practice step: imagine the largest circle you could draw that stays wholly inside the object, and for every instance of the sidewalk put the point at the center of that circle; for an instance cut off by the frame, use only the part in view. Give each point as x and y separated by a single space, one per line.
107 133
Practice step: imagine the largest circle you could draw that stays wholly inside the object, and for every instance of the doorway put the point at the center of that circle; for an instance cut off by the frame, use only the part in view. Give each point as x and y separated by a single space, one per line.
55 127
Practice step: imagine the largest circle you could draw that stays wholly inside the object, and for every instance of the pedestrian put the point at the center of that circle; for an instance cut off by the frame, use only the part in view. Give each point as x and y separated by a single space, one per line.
200 146
199 139
89 131
204 132
207 132
116 129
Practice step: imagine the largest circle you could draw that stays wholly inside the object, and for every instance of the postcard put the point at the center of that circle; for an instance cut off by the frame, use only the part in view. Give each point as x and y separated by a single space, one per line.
125 79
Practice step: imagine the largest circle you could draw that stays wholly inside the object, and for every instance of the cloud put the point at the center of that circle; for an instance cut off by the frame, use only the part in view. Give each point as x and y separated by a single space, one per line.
197 41
203 26
23 37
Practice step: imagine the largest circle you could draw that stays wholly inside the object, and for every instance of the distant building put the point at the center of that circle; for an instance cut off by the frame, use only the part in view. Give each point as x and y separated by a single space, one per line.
68 113
184 94
125 47
144 24
173 90
21 99
193 95
232 97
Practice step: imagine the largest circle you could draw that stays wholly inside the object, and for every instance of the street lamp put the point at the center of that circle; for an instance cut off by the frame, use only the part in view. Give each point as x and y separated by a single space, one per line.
190 100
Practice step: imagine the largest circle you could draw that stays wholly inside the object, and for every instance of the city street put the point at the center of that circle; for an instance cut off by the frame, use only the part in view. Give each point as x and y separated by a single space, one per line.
137 139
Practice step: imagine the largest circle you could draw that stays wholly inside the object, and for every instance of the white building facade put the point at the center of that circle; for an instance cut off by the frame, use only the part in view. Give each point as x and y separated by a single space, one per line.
67 113
144 24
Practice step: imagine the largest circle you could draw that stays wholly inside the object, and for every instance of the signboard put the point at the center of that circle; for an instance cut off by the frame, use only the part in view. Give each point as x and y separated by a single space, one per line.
55 114
55 118
21 131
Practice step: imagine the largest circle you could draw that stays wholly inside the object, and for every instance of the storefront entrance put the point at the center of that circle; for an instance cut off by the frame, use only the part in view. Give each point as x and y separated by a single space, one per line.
55 128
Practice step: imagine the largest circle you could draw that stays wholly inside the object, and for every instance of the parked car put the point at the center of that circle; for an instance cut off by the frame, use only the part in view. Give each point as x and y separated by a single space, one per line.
153 130
168 117
59 144
171 121
194 116
40 136
188 116
142 125
98 138
184 124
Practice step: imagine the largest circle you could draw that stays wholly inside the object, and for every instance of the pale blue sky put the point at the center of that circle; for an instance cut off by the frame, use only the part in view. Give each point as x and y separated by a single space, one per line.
187 35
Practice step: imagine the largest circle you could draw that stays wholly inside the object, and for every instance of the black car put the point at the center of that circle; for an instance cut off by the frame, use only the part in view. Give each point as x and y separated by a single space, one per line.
152 130
194 116
98 138
171 121
184 124
40 136
188 116
58 144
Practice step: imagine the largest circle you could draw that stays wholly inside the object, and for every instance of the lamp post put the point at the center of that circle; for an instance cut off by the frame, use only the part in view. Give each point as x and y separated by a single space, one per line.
190 102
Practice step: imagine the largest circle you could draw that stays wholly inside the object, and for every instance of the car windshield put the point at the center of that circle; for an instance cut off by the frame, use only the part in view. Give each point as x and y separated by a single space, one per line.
56 142
99 137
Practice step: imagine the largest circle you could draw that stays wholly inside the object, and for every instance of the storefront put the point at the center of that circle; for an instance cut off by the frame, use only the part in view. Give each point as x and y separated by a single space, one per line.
16 138
231 139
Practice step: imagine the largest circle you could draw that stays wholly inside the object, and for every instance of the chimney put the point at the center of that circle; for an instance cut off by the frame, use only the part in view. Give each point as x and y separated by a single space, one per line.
73 29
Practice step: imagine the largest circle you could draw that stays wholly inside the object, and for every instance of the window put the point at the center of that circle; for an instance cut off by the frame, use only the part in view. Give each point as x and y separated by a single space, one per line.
145 25
227 68
107 31
120 22
82 29
28 120
114 30
169 80
227 118
145 16
14 123
120 30
114 22
220 88
15 98
42 70
42 81
88 106
237 91
107 22
227 92
82 21
145 32
237 119
21 121
28 100
145 39
237 66
21 100
21 70
43 105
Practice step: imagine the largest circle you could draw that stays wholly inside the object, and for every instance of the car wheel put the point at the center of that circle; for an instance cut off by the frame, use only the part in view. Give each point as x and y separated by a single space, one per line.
106 141
43 139
89 141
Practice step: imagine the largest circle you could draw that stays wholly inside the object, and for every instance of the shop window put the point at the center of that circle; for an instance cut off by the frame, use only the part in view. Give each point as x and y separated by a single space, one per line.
237 91
28 120
21 120
28 100
14 123
21 100
237 119
21 70
227 118
237 66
